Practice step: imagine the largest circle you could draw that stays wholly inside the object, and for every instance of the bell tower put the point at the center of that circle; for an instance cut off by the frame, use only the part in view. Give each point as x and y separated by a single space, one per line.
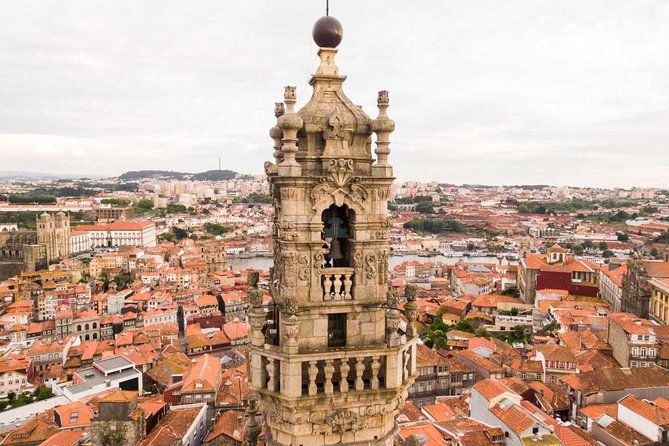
329 366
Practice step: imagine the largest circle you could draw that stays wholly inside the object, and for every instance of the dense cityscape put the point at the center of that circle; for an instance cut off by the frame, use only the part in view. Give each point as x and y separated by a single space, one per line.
327 302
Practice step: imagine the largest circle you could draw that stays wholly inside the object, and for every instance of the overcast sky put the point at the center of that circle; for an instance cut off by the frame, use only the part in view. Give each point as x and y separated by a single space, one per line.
567 92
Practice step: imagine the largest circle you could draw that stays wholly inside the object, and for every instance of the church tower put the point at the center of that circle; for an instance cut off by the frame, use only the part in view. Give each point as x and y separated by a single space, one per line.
329 365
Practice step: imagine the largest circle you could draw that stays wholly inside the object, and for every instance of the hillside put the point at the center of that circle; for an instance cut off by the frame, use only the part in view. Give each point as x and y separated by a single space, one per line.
210 175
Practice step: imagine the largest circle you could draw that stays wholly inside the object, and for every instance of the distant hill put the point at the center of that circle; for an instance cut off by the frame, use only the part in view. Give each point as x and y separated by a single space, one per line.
210 175
27 175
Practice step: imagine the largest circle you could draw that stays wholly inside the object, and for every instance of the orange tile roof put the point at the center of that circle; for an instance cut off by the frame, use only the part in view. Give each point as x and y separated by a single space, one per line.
514 417
594 411
655 414
75 414
439 411
204 377
491 388
65 438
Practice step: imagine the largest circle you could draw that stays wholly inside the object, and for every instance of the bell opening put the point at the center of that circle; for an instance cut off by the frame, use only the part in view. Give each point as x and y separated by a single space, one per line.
336 235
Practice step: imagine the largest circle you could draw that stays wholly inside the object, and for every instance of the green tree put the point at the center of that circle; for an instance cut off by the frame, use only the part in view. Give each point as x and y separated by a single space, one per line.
179 233
603 246
607 253
464 325
425 208
482 332
654 252
622 237
145 204
116 201
588 244
42 393
216 229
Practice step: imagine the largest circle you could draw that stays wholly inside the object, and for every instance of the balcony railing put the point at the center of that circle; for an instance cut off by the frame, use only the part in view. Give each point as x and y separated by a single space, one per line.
337 283
333 373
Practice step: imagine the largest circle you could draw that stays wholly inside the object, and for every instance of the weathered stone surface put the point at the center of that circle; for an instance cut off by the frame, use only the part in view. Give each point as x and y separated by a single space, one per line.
342 369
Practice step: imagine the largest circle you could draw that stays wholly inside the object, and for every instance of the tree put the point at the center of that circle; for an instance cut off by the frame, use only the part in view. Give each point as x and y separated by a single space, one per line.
654 252
145 204
622 237
216 229
425 208
116 201
607 253
42 393
603 246
464 325
578 250
179 233
471 246
588 244
482 332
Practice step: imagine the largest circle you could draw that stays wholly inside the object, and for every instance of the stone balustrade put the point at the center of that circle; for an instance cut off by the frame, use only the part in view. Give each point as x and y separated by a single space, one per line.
334 372
337 283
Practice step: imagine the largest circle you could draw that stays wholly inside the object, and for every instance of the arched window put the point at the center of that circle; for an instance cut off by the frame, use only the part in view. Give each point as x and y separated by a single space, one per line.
336 235
86 327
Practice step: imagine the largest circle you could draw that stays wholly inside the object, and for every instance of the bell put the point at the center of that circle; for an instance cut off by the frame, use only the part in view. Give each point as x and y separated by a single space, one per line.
335 250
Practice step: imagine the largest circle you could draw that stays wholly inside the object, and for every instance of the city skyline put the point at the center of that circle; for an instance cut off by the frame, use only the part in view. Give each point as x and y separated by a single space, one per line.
482 93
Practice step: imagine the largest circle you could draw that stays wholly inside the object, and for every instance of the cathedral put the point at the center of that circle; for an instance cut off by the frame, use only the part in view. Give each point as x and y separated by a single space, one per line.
33 250
330 365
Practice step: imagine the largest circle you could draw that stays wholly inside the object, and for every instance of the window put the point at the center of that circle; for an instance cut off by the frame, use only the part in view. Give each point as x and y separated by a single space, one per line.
634 364
635 351
337 330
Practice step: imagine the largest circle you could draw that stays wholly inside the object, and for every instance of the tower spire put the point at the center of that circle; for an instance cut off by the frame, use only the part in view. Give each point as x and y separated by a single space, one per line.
329 365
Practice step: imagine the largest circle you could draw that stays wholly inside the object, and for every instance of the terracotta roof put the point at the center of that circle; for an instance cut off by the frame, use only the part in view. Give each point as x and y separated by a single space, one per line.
613 378
516 384
172 427
594 411
426 357
656 268
556 353
75 414
439 411
622 432
491 388
204 377
409 413
514 417
432 435
230 424
65 438
655 414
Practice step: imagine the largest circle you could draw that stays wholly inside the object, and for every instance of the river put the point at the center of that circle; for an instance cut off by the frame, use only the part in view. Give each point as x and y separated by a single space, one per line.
264 263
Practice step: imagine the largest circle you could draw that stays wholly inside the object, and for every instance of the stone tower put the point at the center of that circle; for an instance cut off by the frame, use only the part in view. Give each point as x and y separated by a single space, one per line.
54 233
330 367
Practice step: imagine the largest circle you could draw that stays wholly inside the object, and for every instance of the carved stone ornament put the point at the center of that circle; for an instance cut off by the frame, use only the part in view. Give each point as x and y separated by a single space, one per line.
290 306
393 300
273 413
255 297
303 262
340 422
370 265
341 185
288 231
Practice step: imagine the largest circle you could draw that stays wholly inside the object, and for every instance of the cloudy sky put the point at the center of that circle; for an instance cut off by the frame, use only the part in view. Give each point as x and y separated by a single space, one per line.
496 92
